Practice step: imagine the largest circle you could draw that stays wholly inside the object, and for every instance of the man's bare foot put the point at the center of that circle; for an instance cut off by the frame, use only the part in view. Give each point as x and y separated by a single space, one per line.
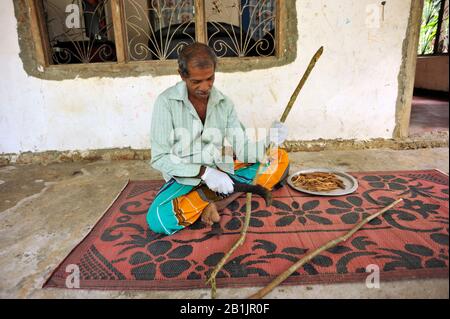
210 215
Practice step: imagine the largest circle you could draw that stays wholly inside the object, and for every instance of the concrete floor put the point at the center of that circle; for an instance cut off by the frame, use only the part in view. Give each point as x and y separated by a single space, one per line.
428 114
46 210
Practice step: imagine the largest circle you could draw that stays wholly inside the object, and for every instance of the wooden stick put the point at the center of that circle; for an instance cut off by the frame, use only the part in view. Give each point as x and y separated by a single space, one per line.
248 208
263 292
212 276
248 211
300 85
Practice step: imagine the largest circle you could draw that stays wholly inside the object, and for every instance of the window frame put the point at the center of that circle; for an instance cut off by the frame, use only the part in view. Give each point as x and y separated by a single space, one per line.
160 67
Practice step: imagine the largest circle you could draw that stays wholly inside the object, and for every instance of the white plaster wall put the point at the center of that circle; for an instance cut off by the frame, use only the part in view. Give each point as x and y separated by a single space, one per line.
351 93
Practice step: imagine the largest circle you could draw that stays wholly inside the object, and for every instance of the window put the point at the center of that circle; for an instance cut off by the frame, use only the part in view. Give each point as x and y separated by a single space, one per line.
151 31
157 30
79 31
434 29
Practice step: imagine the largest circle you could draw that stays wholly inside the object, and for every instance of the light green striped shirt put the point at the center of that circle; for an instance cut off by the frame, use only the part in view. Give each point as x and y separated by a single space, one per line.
180 143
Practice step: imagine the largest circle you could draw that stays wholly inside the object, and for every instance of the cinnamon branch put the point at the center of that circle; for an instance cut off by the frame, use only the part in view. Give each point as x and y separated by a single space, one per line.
277 281
300 85
212 277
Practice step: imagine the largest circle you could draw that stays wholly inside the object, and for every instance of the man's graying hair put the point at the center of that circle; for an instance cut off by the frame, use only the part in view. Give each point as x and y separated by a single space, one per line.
199 55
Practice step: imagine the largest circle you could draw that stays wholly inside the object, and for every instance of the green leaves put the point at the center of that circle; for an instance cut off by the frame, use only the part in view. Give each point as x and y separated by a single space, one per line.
428 31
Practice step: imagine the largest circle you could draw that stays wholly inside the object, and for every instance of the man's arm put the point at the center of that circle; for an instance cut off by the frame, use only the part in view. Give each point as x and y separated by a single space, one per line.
245 150
161 139
202 171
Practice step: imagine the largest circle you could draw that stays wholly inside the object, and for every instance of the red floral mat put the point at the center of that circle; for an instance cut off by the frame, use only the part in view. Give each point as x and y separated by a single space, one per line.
408 241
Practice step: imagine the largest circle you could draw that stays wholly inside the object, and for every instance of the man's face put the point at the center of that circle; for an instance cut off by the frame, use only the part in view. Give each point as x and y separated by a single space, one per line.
199 82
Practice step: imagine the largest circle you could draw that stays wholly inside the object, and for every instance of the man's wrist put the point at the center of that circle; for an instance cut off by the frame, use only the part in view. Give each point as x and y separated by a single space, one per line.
202 171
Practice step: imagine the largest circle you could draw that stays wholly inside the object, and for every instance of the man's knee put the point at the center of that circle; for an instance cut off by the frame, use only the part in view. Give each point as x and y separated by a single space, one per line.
155 221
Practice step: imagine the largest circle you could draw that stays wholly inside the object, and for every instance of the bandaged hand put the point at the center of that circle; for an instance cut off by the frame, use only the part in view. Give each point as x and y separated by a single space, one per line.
277 133
218 181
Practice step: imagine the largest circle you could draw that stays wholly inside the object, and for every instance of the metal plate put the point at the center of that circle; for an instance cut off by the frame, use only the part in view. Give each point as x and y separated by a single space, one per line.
350 183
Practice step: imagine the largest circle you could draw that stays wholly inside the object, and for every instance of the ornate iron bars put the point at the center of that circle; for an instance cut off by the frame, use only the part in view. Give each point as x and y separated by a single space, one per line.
79 31
240 28
157 30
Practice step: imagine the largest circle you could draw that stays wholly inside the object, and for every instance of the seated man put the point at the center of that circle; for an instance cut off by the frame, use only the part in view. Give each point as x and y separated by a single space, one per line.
190 124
